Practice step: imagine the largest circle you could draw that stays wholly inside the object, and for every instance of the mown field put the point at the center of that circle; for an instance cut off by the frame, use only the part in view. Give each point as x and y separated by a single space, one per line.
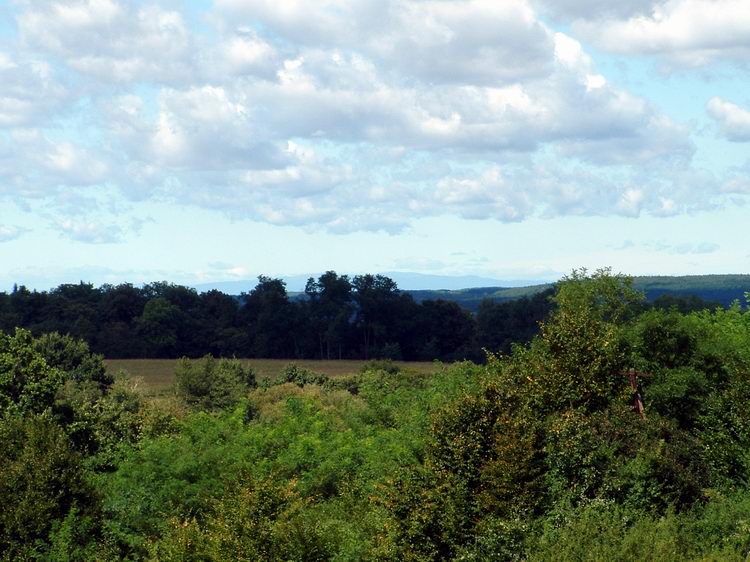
158 374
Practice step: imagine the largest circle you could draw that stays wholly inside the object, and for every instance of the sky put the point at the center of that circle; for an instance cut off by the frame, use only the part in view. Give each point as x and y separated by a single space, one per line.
515 139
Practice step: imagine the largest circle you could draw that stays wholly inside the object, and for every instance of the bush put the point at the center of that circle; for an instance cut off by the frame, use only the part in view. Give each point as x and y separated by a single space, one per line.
293 373
211 384
259 520
380 365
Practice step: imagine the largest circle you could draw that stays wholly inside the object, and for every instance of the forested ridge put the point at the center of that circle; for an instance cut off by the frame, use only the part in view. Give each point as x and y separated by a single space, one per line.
719 290
536 455
337 317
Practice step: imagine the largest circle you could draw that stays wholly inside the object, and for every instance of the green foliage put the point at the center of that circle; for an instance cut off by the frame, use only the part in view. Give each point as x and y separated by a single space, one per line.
679 394
259 520
74 358
211 384
497 538
293 373
429 515
665 339
380 365
27 383
651 465
724 432
535 456
604 530
326 442
159 327
43 489
582 341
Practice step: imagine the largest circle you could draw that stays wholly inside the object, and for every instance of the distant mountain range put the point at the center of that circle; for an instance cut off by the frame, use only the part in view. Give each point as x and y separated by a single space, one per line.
470 290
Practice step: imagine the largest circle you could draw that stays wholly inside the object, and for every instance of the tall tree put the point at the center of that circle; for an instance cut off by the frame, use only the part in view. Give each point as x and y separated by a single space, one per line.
331 308
269 318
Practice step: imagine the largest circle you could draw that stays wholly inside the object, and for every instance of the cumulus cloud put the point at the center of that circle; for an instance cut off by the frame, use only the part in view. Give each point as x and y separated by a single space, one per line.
503 40
33 166
691 33
347 115
733 121
30 92
112 40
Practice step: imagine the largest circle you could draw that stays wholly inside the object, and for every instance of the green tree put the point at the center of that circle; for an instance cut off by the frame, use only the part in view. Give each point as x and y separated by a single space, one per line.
27 383
331 308
74 358
160 326
43 484
269 319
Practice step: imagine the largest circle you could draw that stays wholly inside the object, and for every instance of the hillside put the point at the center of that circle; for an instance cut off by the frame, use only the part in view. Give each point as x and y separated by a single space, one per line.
723 289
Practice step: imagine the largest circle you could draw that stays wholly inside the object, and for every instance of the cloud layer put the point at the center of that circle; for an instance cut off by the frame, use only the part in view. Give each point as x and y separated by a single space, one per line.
352 114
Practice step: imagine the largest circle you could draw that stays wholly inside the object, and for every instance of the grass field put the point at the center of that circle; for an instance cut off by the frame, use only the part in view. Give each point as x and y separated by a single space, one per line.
158 374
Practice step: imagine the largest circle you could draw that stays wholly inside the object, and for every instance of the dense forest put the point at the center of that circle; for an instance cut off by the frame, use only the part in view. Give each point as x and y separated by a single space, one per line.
336 317
536 455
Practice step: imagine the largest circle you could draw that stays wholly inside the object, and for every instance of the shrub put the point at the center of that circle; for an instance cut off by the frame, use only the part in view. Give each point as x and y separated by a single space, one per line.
259 520
211 384
380 365
293 373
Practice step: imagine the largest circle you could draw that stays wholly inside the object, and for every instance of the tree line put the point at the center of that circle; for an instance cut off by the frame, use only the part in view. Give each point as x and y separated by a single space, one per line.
337 317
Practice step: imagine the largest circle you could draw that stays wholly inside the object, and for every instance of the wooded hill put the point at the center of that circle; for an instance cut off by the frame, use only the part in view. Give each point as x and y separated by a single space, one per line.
720 289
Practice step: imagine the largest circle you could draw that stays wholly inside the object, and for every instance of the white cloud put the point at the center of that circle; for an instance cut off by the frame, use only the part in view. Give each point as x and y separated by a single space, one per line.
687 32
108 39
567 10
90 232
29 92
8 233
201 128
733 121
490 196
239 53
34 166
503 40
347 115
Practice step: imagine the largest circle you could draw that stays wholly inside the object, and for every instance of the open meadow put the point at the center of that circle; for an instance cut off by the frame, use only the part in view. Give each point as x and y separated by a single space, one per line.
158 374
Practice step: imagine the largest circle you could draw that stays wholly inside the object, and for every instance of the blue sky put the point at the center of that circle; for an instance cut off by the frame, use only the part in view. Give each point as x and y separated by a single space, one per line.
214 141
